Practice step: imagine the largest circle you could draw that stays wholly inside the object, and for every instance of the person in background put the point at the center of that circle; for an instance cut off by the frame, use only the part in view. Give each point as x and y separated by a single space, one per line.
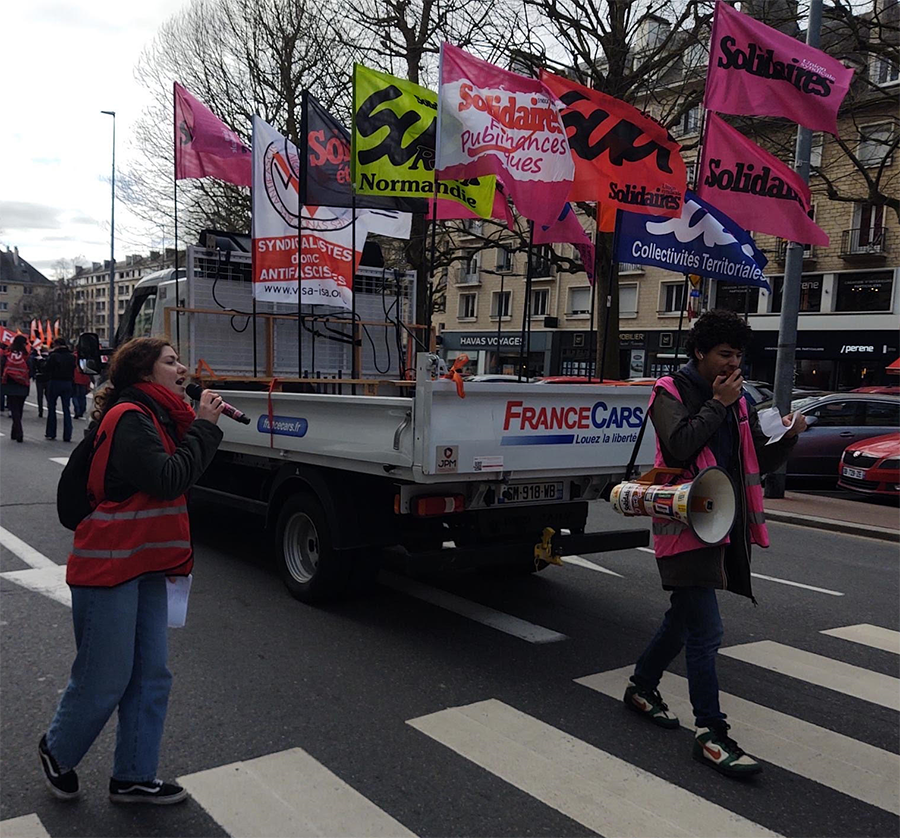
151 449
4 350
39 355
60 372
81 385
15 380
702 419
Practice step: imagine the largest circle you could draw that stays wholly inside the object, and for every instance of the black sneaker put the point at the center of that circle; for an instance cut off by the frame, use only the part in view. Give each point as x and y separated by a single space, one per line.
154 791
63 785
649 703
715 748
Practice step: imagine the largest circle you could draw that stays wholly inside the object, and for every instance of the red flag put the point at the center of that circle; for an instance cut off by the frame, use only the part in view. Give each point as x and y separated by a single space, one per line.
49 332
494 122
40 330
567 228
205 146
32 331
759 71
621 156
754 187
56 328
6 336
606 218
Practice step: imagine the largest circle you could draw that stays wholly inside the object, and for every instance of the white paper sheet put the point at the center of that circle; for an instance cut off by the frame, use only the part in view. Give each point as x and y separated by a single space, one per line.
772 426
179 589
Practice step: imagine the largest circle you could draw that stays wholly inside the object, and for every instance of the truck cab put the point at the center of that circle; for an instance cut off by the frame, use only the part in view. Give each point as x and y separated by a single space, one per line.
144 315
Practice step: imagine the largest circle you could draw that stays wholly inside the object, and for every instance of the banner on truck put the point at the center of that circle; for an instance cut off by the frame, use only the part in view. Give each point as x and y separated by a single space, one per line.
326 262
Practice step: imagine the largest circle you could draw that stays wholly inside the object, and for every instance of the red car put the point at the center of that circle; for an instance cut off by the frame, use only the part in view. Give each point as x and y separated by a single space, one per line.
872 466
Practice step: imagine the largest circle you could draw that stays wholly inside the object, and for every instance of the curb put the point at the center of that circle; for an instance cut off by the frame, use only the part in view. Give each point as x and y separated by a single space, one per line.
846 527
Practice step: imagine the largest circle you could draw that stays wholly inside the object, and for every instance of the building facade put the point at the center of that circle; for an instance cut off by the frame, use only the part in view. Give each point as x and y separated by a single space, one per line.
24 291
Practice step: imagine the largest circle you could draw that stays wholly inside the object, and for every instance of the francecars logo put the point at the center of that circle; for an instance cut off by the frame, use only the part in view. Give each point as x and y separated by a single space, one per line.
282 425
560 424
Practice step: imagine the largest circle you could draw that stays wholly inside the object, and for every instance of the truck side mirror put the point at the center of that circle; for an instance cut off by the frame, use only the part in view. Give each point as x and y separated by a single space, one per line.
88 348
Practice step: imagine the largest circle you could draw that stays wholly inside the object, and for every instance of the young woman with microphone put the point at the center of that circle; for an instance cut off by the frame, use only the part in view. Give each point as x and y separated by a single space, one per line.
150 448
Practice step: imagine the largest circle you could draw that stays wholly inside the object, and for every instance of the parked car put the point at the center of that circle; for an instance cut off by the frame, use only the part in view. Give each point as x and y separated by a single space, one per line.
872 466
836 421
884 389
799 399
758 391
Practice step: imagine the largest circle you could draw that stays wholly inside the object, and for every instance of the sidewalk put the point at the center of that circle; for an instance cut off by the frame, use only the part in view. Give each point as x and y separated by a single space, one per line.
864 517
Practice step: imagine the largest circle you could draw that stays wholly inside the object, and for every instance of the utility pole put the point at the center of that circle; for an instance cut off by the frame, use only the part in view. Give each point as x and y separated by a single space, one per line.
111 314
793 272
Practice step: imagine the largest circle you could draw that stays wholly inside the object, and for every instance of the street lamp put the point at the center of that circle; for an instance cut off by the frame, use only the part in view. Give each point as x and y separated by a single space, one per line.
111 313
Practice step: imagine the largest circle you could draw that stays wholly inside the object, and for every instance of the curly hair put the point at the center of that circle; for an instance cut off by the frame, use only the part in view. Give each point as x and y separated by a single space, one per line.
715 327
132 362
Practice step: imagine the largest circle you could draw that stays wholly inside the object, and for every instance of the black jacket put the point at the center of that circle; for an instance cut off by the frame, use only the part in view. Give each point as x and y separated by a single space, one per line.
139 462
61 364
683 429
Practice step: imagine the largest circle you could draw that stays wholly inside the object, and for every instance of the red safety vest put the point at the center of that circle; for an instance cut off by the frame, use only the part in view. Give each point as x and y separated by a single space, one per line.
121 540
672 537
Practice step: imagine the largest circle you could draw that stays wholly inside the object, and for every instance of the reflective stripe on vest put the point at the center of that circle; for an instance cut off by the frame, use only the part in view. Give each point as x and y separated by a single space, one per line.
121 540
668 541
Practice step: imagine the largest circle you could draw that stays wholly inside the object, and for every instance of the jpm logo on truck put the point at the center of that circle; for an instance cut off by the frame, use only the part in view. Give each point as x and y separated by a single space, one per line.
576 425
282 426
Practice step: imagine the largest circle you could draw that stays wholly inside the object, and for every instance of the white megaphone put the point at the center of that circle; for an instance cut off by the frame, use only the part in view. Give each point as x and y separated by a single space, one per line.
706 504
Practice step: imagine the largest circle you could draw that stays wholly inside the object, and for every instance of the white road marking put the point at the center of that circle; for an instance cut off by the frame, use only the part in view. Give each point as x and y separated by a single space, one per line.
26 826
466 608
817 669
598 790
797 584
582 562
646 550
832 759
49 581
874 636
61 460
24 551
287 793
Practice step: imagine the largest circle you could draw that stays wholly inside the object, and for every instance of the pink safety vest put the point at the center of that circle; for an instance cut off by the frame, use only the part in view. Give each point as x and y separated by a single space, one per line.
672 537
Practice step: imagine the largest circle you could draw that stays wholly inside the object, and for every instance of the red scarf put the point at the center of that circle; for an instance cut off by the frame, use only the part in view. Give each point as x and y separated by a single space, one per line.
181 412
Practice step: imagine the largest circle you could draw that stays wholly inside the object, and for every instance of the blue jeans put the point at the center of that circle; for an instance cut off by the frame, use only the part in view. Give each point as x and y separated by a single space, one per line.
79 399
692 622
59 390
120 634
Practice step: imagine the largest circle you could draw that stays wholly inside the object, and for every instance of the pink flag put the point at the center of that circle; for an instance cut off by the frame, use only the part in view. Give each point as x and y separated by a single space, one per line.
494 122
759 71
754 187
447 209
205 146
567 228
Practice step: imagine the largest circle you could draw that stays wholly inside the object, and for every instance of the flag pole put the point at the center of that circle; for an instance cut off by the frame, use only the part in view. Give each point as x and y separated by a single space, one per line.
302 165
613 265
354 365
592 348
684 299
175 196
426 336
499 324
523 358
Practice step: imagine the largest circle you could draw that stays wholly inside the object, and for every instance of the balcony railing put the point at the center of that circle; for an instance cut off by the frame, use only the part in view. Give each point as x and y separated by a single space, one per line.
630 268
864 241
469 279
809 250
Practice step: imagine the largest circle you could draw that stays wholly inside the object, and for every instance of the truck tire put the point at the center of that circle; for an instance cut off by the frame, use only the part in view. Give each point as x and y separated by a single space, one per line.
311 569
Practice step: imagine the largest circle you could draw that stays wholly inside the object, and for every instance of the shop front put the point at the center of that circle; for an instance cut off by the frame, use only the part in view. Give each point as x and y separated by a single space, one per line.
829 360
484 357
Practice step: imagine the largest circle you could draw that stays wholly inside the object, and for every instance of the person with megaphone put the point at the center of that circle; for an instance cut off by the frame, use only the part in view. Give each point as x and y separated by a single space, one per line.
703 422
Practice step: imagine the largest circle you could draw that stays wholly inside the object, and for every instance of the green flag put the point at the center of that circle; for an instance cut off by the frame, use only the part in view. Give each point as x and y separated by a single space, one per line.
393 137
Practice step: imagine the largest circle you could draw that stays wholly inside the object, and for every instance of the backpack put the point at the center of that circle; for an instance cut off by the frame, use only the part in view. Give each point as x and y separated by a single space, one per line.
73 504
16 370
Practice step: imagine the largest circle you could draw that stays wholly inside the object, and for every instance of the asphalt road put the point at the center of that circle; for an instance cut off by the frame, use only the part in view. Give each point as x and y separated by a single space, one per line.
258 674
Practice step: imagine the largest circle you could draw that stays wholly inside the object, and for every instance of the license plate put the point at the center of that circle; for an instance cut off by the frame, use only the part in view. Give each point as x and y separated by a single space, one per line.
531 492
856 473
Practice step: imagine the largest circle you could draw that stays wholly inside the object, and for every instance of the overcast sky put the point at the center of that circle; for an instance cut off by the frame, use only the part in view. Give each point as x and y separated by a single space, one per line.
61 64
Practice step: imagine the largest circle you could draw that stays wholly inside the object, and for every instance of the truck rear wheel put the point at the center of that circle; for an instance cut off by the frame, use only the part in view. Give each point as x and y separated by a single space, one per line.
310 567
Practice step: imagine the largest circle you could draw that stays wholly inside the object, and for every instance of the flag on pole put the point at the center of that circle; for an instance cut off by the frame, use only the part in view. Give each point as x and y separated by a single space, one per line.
56 329
205 146
327 262
447 209
493 121
49 332
754 187
394 128
33 336
6 336
758 71
622 157
567 228
702 241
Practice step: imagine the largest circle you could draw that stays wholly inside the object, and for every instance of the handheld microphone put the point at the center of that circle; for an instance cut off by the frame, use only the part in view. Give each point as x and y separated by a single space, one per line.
195 391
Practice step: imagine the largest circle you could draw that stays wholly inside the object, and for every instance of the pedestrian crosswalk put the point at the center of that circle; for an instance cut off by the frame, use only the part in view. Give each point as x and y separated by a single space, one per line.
290 792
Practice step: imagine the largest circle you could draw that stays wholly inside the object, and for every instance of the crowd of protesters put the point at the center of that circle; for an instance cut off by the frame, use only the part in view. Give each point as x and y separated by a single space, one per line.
58 380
